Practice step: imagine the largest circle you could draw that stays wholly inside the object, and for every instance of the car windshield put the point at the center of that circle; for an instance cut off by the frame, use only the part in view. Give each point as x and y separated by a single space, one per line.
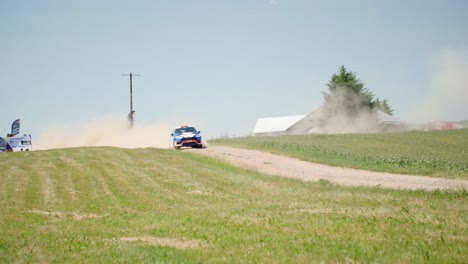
182 130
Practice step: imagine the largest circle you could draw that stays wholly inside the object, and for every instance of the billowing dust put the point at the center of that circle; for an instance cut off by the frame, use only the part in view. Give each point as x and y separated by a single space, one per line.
445 98
337 119
105 132
447 92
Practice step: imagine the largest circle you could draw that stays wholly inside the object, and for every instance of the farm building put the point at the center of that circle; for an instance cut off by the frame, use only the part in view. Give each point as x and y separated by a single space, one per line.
308 124
390 123
274 126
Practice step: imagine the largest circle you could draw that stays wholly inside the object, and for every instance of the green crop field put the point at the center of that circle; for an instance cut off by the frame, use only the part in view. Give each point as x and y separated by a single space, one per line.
111 205
436 153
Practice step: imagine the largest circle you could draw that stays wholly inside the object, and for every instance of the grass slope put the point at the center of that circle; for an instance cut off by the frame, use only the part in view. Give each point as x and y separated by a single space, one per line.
110 205
436 153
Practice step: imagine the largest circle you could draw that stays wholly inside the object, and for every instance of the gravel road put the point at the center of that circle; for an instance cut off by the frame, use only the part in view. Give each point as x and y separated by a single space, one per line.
290 167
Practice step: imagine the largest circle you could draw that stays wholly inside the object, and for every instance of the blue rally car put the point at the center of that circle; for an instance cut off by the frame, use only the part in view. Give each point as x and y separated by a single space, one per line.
186 136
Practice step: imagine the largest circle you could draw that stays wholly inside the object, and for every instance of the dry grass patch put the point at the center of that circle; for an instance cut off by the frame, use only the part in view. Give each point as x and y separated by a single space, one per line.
73 215
197 192
461 238
167 242
378 213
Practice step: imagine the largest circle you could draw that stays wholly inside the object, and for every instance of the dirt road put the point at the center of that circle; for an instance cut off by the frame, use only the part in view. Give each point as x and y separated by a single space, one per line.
290 167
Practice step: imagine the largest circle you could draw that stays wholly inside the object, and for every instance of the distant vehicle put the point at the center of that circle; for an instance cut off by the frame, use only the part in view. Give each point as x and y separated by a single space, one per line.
16 143
186 136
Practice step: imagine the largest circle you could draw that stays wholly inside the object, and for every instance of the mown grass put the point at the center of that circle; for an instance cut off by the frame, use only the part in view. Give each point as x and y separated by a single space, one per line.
75 206
434 153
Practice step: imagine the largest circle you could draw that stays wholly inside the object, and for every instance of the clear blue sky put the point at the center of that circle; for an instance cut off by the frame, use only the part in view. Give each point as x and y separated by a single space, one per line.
220 64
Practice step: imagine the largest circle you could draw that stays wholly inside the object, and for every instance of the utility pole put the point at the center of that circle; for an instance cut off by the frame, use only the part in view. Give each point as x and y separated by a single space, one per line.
131 115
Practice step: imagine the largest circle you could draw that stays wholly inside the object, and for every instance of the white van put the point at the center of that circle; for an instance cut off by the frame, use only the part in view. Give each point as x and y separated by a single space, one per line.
18 143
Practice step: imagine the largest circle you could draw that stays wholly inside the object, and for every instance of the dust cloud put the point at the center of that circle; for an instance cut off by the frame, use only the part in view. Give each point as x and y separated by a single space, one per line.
447 95
344 113
445 99
108 131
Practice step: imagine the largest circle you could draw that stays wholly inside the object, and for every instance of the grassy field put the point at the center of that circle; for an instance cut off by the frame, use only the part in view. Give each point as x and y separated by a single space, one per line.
437 153
110 205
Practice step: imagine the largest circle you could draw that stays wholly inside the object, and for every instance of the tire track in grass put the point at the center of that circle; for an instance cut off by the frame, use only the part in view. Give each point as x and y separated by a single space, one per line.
5 183
73 170
118 184
82 178
16 183
102 186
61 168
48 187
141 173
137 178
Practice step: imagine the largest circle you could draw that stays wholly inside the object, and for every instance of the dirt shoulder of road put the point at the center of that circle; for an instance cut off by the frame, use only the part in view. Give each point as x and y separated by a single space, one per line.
294 168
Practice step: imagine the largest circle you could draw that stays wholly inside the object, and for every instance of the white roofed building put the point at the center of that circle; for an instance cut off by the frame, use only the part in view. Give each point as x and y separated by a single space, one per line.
273 126
309 124
390 123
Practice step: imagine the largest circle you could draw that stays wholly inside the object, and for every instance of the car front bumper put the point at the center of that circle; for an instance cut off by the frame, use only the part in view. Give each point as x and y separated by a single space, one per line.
187 143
